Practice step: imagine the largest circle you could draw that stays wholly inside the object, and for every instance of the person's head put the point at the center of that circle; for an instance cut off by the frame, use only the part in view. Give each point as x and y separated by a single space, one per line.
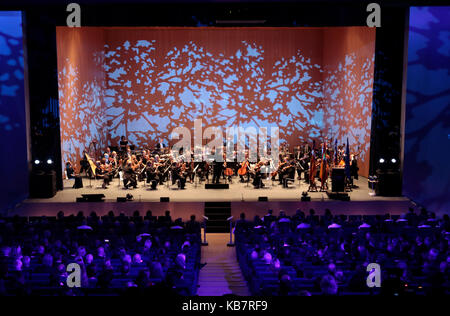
433 254
193 218
26 261
328 285
332 268
40 249
167 213
47 260
81 251
126 260
242 216
89 258
147 244
137 258
18 265
101 252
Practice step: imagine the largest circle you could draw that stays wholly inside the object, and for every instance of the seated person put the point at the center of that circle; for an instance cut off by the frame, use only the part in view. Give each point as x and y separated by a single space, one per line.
69 170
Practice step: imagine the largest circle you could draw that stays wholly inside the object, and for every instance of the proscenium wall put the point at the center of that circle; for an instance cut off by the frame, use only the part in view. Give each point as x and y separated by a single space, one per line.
156 79
426 170
13 140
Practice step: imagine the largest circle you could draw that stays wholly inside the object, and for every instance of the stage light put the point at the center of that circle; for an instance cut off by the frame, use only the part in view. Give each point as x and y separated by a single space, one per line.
49 161
36 162
381 160
393 160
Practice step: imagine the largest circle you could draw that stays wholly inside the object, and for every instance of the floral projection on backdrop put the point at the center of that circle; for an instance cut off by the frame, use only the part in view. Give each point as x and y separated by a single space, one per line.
146 92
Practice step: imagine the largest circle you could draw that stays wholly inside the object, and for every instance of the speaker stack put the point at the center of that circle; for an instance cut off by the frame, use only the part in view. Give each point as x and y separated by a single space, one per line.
389 183
42 184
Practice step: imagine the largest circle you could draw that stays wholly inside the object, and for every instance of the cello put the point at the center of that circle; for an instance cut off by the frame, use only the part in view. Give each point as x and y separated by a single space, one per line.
242 171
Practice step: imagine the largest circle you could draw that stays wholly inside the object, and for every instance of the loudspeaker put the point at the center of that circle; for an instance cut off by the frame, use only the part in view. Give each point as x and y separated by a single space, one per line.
263 199
42 184
121 199
78 182
217 186
164 199
305 199
389 183
93 197
338 180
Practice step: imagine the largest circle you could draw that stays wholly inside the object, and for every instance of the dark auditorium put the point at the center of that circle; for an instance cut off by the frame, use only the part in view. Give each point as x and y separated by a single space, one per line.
225 155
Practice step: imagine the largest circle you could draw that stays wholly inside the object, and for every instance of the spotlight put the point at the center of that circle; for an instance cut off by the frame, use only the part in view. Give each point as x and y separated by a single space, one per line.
381 160
36 162
393 160
49 161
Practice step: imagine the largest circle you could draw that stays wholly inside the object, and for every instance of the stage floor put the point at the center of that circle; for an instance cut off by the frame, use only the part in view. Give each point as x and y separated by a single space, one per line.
191 201
237 192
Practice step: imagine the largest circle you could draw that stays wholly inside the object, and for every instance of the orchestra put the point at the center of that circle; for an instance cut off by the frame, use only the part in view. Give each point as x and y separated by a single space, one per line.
159 166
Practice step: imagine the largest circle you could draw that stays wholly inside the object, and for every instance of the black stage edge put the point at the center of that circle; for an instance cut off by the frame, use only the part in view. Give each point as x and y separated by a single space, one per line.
217 186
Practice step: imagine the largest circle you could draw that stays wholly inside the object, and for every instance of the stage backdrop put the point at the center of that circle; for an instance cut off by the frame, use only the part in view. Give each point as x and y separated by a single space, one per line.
144 82
426 171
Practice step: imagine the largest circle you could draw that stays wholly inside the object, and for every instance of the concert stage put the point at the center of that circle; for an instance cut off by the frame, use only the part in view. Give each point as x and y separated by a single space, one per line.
183 203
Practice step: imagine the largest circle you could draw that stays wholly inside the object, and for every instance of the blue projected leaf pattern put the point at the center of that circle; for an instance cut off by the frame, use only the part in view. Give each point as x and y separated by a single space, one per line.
13 140
349 99
426 174
81 112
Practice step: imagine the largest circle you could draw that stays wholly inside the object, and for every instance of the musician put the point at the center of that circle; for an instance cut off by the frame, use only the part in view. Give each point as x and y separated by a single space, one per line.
160 146
129 176
217 171
69 170
243 170
354 166
104 171
282 169
113 160
257 178
178 175
152 174
84 163
123 144
288 172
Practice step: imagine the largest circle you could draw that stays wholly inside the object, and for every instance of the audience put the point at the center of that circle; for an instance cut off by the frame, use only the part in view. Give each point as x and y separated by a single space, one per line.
116 254
329 254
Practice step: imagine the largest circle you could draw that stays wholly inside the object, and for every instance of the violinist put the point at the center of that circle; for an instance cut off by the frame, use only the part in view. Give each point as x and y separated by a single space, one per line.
178 175
152 174
129 176
113 159
288 172
284 164
104 171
